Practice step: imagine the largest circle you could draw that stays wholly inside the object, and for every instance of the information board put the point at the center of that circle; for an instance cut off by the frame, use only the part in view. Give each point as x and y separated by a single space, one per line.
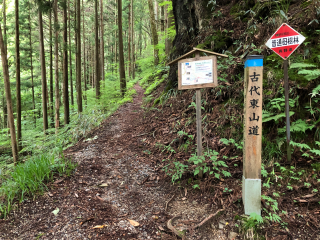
198 72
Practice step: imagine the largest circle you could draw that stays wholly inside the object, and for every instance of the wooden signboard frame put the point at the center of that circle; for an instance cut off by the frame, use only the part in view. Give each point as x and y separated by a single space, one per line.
196 52
198 86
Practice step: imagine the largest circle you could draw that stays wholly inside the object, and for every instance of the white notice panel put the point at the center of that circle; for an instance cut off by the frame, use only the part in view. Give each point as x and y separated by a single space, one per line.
198 72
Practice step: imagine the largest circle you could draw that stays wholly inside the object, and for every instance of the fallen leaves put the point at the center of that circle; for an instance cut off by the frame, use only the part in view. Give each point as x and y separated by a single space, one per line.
104 185
56 211
133 223
99 226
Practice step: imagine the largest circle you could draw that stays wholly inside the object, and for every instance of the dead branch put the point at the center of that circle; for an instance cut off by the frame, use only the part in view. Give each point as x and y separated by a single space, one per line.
208 218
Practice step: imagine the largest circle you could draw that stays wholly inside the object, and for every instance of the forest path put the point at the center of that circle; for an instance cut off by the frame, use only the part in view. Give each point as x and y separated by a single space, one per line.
117 179
112 184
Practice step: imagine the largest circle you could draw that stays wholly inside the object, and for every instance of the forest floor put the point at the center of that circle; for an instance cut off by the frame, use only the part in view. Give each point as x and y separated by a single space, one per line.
119 191
112 185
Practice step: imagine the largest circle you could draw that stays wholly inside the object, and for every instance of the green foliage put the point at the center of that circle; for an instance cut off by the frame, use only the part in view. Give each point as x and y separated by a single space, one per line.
175 169
216 167
155 84
251 226
232 141
28 179
310 74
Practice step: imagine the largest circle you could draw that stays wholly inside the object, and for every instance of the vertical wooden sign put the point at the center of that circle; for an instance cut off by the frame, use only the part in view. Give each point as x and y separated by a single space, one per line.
252 135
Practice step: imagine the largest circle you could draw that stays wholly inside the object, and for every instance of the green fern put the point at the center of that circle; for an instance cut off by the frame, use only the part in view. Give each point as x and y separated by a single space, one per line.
315 151
266 117
309 74
315 91
298 126
301 65
300 145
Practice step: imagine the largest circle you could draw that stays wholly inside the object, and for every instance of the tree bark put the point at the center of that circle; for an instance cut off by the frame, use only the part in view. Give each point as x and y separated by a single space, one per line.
56 67
70 59
78 62
129 40
31 62
154 33
115 35
162 18
168 41
121 57
43 74
18 79
5 110
51 71
97 69
8 98
132 40
102 41
65 66
84 52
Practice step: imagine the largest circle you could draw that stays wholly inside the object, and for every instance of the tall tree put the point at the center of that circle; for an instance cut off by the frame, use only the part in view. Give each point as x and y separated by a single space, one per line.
5 116
84 51
18 79
170 23
8 98
102 41
56 66
71 80
132 40
115 34
65 65
123 84
154 33
78 57
31 65
51 70
97 70
129 40
43 70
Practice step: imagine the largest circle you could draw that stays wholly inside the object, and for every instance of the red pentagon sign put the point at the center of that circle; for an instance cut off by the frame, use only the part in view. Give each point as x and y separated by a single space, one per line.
285 41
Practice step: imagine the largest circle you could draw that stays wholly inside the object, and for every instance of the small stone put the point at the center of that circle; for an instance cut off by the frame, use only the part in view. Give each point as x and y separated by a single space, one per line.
221 225
232 235
194 202
213 226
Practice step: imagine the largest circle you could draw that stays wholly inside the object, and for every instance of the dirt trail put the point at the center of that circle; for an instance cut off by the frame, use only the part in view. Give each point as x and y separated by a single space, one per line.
115 181
131 189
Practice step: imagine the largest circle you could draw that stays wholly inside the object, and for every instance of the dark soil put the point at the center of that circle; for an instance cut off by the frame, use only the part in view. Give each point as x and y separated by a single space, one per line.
119 178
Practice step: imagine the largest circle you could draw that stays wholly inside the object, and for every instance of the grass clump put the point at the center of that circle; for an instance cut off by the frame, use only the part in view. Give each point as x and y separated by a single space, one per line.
29 178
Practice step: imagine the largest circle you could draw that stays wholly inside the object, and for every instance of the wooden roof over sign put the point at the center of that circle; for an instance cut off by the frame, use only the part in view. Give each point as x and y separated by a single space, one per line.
193 51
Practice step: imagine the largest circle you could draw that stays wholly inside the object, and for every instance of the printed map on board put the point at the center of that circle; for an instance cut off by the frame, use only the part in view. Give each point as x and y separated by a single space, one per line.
198 72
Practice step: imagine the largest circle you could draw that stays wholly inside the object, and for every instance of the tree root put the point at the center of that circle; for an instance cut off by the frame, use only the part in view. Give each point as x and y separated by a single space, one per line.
181 234
175 231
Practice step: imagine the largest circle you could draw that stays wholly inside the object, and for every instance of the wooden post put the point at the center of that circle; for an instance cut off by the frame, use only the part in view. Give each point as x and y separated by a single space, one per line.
199 120
286 87
252 135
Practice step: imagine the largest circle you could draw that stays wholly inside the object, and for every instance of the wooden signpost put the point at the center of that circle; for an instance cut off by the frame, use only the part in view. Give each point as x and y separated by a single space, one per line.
197 73
251 180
